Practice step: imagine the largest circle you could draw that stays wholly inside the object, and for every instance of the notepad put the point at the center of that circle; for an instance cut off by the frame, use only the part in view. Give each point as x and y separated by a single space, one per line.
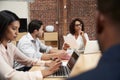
71 41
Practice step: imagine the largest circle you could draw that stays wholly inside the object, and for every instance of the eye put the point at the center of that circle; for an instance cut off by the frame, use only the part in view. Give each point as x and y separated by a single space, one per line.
14 28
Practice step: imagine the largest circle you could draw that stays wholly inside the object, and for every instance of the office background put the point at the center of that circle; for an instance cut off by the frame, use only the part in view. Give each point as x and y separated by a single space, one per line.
58 13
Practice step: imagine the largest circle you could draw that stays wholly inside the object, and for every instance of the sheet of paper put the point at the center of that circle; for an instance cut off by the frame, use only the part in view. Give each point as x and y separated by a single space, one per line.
71 41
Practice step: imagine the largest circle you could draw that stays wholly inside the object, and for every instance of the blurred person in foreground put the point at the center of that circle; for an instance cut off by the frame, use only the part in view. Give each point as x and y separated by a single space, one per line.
108 32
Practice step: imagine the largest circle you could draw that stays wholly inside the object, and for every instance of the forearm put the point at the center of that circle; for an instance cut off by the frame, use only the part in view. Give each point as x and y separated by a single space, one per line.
84 40
53 51
8 72
48 56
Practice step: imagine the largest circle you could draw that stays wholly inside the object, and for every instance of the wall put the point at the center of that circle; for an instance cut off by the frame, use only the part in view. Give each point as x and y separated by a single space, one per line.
84 9
21 8
50 11
45 10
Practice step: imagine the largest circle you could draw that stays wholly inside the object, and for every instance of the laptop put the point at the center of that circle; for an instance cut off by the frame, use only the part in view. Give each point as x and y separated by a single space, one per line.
65 70
92 47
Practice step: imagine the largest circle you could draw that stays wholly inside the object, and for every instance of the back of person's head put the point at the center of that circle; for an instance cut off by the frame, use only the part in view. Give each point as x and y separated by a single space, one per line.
110 8
34 25
6 18
108 21
72 25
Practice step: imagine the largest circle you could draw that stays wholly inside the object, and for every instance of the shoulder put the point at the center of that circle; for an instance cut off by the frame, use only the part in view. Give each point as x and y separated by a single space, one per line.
69 34
11 46
25 38
85 34
38 40
22 39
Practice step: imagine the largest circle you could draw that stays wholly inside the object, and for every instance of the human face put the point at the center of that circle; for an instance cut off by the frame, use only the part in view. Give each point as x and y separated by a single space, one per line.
40 32
78 26
12 31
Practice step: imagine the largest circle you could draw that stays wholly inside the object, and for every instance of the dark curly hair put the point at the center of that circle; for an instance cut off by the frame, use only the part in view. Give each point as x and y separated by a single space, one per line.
72 25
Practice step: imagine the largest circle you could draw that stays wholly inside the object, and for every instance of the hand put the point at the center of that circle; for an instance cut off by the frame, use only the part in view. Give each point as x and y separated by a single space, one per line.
66 46
61 51
64 56
53 61
82 33
53 67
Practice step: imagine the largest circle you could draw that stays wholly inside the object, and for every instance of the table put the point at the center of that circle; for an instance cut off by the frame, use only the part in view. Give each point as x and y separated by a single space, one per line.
84 63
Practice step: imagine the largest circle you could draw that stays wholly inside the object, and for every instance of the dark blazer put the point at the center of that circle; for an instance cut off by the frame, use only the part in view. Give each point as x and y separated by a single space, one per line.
107 69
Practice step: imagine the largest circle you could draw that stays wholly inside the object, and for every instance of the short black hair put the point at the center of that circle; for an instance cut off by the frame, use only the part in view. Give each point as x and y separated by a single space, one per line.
34 25
6 18
72 25
110 8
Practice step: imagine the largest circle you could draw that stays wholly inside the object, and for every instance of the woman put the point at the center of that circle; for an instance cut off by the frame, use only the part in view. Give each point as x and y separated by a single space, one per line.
76 30
9 25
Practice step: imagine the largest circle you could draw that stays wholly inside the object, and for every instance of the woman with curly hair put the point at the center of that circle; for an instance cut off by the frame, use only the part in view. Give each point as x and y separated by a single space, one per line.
76 30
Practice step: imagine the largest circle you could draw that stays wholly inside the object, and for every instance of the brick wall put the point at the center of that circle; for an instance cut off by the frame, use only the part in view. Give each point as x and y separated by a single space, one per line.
50 11
84 9
44 10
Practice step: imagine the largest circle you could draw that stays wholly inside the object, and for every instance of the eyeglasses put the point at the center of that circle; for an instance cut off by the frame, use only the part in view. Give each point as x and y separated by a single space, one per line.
78 24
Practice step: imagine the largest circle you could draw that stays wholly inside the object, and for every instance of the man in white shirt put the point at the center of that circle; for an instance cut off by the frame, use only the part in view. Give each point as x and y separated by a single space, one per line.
32 47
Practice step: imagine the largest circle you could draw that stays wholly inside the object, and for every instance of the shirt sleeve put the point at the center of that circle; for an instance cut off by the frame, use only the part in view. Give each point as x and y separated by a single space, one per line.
28 49
43 47
21 58
86 36
8 73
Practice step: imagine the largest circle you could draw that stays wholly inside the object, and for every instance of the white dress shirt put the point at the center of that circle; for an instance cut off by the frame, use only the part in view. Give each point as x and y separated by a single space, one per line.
79 40
32 48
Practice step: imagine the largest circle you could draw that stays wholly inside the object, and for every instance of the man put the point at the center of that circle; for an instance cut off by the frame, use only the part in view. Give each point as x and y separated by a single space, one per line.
32 47
108 32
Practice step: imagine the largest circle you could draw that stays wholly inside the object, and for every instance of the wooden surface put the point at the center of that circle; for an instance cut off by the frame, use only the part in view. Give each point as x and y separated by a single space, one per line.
84 63
51 39
20 35
51 36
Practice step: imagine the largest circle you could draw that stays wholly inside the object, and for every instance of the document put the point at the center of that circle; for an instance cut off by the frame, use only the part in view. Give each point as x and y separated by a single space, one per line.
71 41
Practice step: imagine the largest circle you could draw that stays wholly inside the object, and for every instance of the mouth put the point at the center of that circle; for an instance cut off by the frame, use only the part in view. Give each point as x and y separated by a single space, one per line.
15 36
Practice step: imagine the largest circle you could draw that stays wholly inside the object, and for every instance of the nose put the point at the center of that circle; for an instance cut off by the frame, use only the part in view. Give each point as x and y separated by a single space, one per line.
17 31
43 31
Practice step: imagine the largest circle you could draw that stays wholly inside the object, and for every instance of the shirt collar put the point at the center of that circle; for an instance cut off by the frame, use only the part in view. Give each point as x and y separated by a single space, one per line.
31 38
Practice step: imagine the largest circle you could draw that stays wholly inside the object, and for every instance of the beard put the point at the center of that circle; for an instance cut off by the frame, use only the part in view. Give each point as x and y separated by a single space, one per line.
40 35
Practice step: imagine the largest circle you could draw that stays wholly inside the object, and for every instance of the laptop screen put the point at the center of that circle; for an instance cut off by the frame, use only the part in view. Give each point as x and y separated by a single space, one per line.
92 47
72 60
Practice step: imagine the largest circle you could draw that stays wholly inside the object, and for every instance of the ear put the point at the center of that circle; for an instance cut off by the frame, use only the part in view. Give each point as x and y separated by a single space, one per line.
35 30
100 22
